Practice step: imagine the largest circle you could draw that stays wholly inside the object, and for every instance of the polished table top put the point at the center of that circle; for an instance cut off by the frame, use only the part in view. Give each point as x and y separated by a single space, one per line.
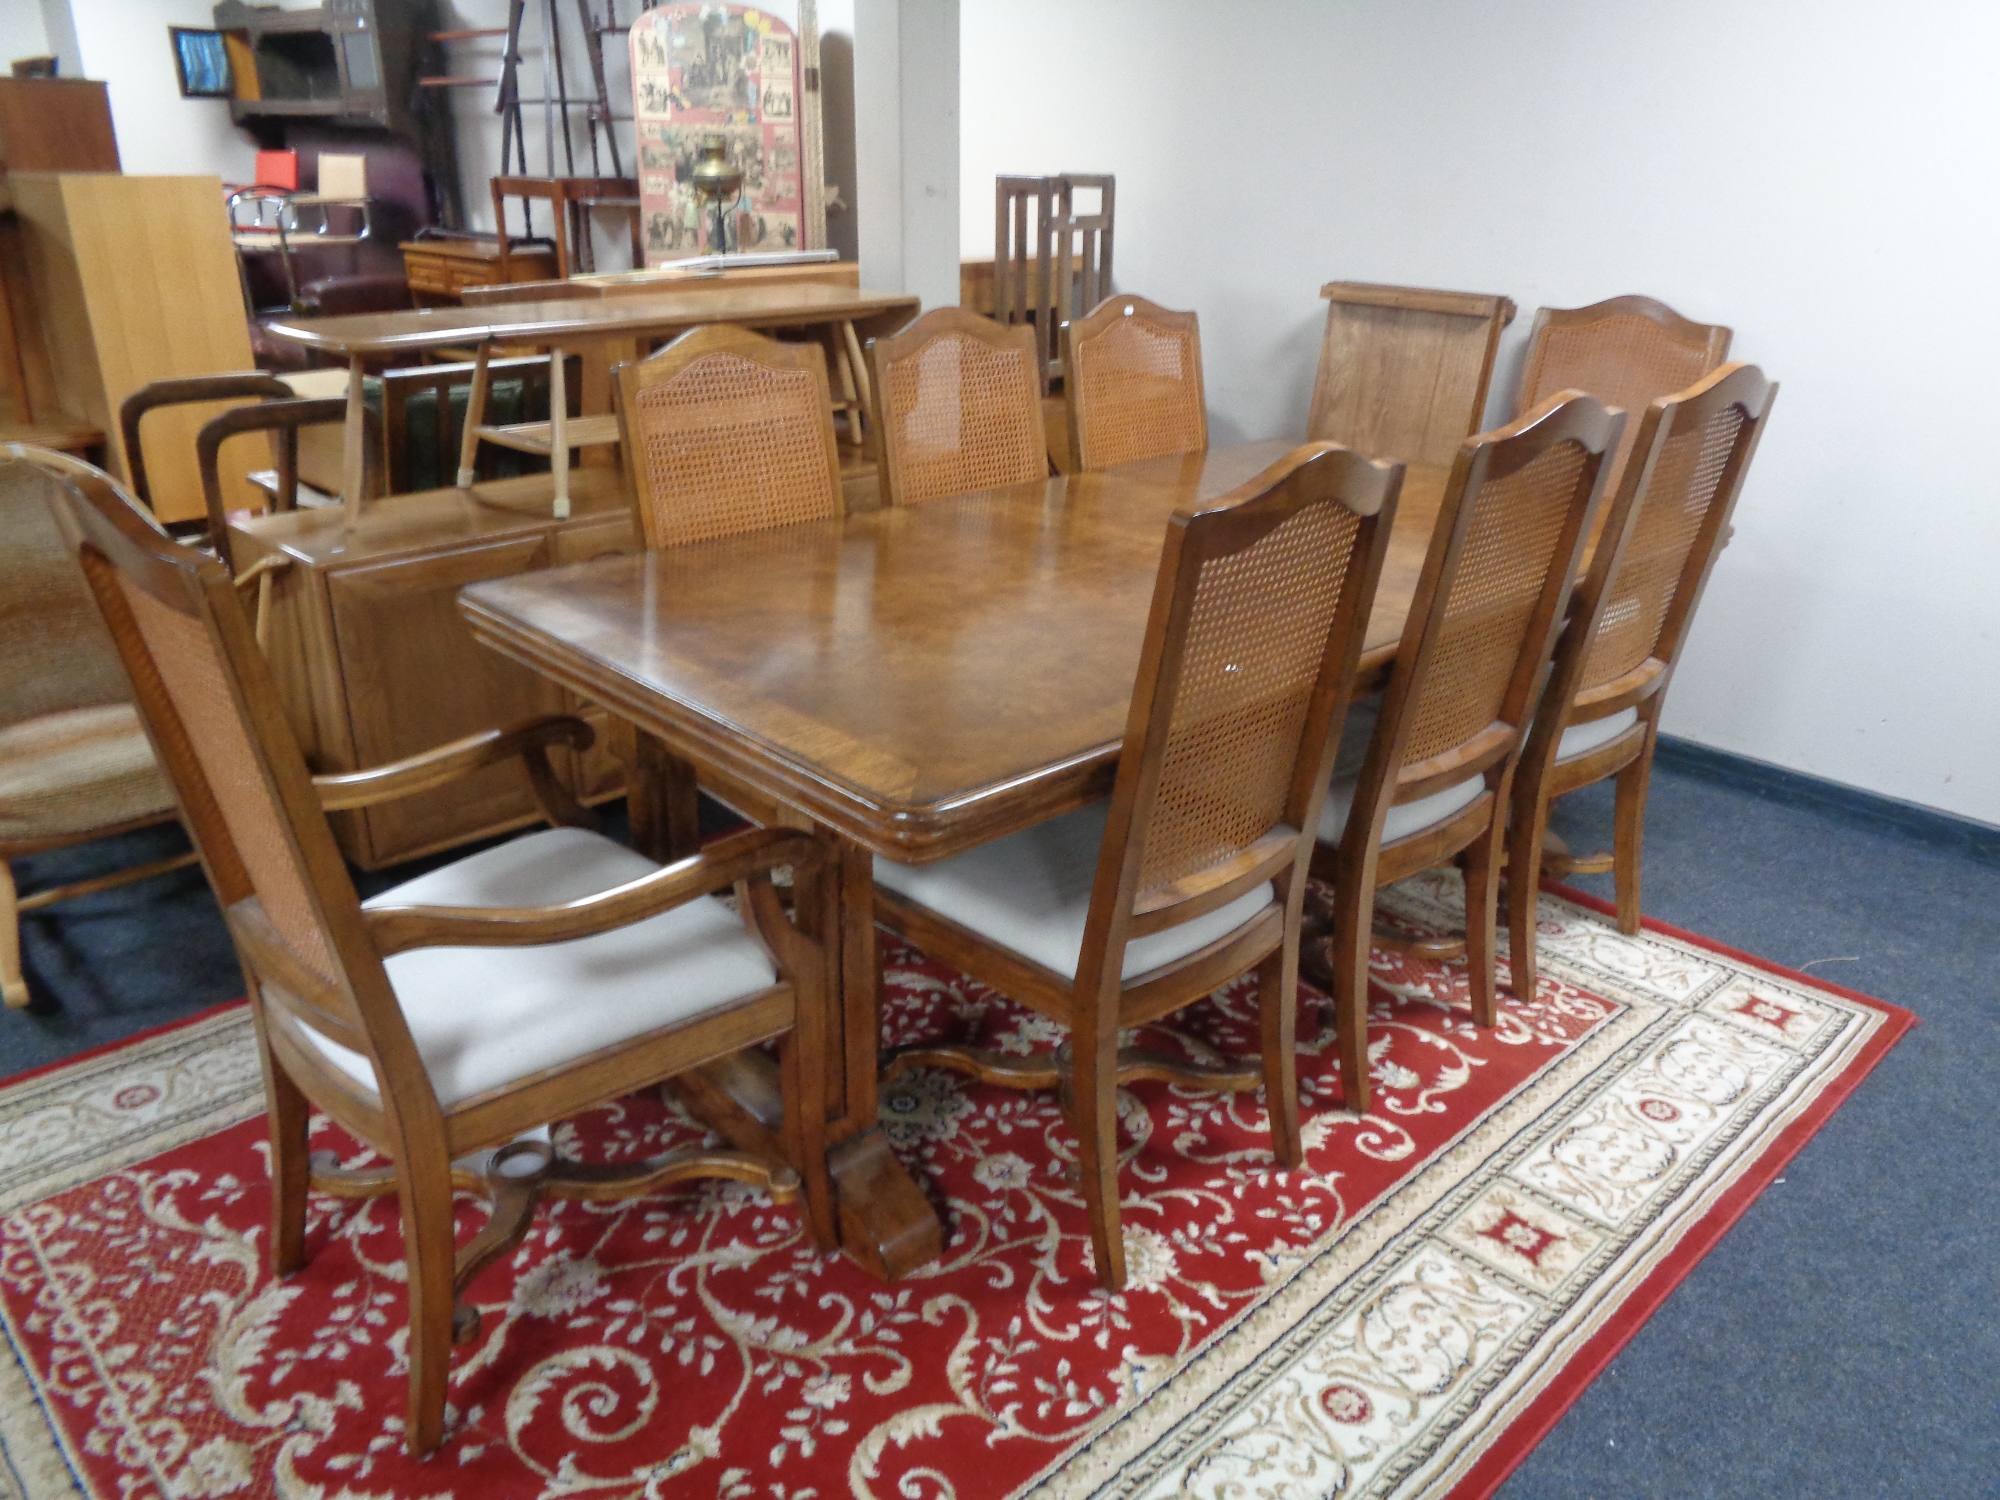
569 319
921 679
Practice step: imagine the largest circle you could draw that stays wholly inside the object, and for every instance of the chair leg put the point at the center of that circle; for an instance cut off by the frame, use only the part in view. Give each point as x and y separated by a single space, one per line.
1347 954
13 984
424 1192
1278 1007
291 1117
1629 836
1094 1096
1524 884
1482 918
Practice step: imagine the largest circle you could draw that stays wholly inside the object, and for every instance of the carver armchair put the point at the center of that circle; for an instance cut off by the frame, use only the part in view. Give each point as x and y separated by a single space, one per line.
472 1006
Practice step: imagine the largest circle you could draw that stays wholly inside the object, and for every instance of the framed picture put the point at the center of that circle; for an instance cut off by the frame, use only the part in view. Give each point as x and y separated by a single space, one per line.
202 62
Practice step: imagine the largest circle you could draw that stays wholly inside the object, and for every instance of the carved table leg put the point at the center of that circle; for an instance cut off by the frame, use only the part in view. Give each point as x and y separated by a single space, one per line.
886 1224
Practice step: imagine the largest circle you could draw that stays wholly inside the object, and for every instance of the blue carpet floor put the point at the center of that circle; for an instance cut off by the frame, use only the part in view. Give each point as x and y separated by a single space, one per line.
1843 1338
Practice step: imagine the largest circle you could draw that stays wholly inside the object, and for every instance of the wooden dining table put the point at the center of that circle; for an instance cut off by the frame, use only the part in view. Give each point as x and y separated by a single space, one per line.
908 683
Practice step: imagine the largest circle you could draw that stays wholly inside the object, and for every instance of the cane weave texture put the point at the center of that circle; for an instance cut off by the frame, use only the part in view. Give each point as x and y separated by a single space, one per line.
962 416
77 770
1510 545
1628 361
1676 502
1137 389
1256 637
730 445
191 669
54 651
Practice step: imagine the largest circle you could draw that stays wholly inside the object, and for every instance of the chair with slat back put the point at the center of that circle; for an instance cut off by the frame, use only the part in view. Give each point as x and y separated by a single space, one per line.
961 407
726 431
1134 383
1600 714
74 761
1121 912
1049 261
1424 776
596 972
1626 351
1404 371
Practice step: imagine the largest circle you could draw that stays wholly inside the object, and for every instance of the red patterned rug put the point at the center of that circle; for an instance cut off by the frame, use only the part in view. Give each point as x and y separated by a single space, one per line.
1405 1316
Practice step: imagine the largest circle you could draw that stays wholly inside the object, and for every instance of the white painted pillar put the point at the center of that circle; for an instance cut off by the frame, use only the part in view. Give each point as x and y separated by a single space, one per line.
906 146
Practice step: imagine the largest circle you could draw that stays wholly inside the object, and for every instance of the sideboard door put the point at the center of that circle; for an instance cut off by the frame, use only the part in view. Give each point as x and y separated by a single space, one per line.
415 679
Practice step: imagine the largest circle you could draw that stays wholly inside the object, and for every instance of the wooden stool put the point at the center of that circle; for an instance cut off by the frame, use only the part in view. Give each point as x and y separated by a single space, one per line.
553 439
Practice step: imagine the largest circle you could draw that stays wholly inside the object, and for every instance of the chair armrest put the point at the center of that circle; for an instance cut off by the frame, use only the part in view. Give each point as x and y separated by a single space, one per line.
434 768
396 929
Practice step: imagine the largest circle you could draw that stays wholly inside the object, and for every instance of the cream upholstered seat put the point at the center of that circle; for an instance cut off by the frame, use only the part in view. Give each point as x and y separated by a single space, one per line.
1030 893
1404 819
1581 739
473 1007
544 1006
75 763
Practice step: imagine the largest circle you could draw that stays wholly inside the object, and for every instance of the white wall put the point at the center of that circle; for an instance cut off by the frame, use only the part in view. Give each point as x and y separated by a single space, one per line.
22 33
1816 173
125 43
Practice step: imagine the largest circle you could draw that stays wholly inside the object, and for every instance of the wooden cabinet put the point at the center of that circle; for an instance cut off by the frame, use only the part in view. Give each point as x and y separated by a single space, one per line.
374 661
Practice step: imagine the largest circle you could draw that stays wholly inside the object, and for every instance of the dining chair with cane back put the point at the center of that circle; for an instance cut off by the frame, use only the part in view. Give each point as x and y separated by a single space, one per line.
1600 713
591 971
726 431
1423 775
1193 873
1134 383
1404 371
961 406
1626 351
74 761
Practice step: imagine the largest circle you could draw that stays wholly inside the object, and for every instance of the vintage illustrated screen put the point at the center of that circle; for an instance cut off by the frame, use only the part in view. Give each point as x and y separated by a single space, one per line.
705 70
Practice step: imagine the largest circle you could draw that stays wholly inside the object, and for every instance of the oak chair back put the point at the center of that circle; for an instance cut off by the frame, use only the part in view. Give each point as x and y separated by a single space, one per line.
961 406
1658 545
1404 371
1625 351
726 431
1049 261
1133 378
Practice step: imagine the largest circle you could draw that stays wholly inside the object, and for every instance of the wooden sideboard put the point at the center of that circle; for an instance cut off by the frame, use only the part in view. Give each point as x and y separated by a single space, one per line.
374 661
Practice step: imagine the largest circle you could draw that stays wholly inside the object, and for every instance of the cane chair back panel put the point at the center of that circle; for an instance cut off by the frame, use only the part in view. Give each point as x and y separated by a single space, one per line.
1673 515
1404 371
1627 352
727 432
183 655
1134 383
1256 644
54 653
1518 522
961 407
